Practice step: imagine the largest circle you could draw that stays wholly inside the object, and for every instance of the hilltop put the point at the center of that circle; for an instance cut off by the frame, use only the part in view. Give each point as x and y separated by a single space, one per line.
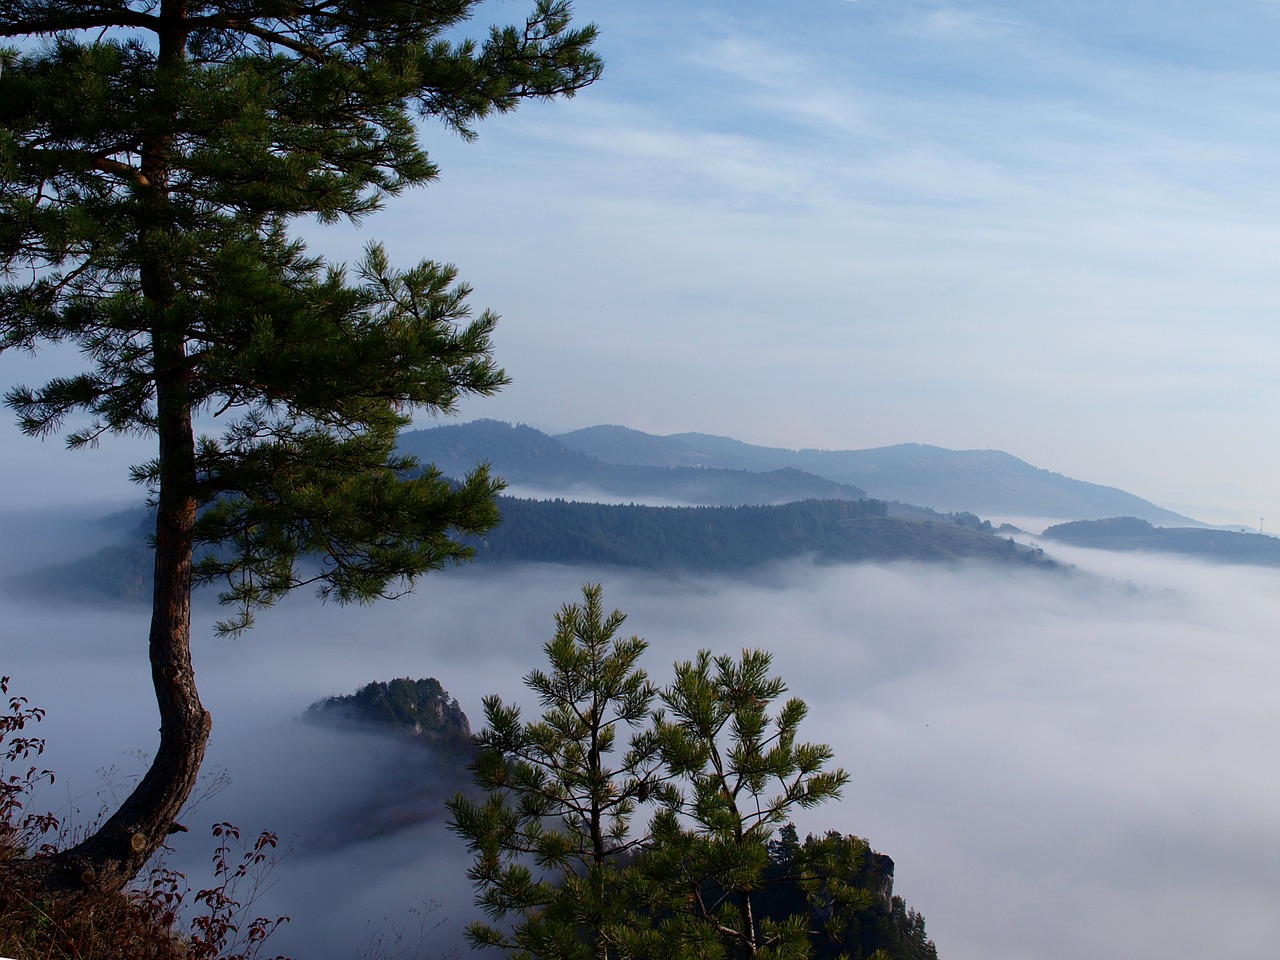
1131 533
530 458
985 482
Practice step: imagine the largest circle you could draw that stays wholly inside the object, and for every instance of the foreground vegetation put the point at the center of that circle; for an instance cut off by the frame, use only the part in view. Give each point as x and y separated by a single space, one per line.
156 917
632 821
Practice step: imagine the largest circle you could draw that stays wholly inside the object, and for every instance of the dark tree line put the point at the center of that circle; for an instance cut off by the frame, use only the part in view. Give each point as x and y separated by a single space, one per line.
729 539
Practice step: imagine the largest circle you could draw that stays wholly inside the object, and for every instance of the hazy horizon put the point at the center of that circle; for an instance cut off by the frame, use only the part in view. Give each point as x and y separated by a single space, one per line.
46 478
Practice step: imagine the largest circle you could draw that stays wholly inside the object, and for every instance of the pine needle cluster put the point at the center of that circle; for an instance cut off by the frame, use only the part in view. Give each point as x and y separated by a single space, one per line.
636 821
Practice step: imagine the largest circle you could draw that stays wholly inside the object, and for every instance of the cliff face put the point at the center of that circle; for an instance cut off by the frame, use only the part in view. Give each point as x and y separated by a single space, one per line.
882 871
426 750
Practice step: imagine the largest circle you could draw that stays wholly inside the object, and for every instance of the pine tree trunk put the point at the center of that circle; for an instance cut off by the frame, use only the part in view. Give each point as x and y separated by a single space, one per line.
112 856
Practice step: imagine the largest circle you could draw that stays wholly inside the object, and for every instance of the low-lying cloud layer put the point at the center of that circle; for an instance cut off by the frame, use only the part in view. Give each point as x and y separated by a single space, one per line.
1061 765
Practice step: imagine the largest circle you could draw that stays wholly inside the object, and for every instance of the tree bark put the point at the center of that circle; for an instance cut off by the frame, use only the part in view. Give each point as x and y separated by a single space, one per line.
118 850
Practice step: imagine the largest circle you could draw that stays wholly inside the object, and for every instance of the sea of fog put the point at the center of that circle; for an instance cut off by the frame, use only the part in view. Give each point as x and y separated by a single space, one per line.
1061 764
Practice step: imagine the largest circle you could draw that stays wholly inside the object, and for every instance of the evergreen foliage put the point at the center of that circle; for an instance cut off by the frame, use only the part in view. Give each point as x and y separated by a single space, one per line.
811 877
561 793
154 155
736 773
676 844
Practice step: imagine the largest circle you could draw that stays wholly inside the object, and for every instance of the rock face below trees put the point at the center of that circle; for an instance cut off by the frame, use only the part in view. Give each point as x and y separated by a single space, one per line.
882 867
429 746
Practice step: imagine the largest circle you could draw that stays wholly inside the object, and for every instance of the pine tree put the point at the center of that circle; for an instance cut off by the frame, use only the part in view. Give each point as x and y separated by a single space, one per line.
154 155
736 775
555 828
565 866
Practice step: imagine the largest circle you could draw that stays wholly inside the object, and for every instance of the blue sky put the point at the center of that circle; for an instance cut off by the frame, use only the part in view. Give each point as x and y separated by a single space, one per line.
1048 228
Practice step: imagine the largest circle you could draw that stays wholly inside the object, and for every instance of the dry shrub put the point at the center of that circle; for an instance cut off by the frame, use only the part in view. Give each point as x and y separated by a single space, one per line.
157 919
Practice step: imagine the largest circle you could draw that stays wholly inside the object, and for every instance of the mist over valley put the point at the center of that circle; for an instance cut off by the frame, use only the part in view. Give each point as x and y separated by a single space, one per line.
565 506
1062 761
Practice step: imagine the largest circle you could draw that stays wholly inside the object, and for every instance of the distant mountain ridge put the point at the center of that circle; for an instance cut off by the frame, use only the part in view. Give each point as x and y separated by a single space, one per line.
985 482
736 517
529 457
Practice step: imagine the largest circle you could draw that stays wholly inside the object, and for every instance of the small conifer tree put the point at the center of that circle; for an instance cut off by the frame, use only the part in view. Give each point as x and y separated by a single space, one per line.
555 826
736 775
582 849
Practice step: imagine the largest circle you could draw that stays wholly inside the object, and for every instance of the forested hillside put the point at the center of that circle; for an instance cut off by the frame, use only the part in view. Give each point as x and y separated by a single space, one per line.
1130 533
421 709
672 539
732 539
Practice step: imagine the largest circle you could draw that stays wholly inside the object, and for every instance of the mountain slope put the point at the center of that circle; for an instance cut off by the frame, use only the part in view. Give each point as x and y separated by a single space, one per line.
986 482
1131 533
529 458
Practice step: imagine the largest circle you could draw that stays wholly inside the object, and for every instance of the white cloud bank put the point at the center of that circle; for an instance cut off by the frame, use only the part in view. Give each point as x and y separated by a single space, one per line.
1061 766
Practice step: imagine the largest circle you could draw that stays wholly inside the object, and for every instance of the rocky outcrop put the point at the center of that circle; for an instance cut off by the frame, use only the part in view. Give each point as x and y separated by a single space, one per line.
418 709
